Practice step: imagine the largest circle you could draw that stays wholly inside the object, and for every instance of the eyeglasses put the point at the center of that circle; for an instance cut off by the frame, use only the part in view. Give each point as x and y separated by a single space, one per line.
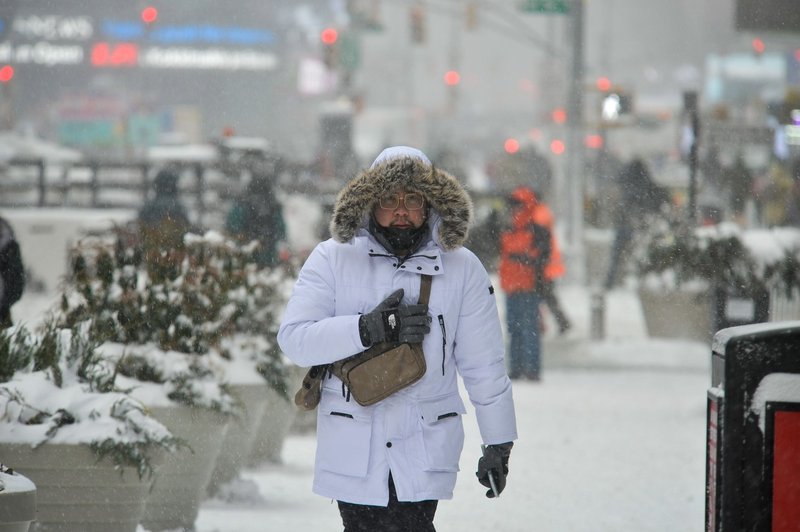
412 201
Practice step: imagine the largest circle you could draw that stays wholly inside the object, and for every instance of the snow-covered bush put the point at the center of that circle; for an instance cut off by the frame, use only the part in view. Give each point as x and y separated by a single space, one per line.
56 389
722 255
208 301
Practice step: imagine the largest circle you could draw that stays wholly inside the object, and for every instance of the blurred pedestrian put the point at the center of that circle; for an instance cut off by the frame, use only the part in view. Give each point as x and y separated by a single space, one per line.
12 273
739 181
793 200
162 219
525 251
554 269
639 198
258 215
770 192
389 464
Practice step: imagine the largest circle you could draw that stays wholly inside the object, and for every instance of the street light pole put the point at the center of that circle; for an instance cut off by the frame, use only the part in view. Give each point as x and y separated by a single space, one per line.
574 145
691 110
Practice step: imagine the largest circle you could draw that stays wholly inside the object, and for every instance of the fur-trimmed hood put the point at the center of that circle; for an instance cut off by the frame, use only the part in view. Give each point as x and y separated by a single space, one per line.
450 207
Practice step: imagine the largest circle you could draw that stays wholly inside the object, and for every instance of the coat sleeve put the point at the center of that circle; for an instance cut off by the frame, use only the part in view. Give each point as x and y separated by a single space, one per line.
479 355
13 275
311 333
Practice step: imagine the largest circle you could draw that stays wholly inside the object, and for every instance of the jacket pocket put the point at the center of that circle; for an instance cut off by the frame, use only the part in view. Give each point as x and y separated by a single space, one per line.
343 438
442 432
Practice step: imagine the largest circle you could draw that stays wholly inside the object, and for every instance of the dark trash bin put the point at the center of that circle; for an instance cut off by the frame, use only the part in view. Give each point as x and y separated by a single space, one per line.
753 436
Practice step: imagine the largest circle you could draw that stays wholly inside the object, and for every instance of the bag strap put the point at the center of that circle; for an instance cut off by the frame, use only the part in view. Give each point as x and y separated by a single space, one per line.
425 289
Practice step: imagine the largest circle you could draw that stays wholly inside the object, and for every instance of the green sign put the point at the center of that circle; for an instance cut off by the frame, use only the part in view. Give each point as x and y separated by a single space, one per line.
559 7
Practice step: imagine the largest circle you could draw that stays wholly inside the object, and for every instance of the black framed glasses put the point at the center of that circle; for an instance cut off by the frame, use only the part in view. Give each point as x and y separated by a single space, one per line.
412 201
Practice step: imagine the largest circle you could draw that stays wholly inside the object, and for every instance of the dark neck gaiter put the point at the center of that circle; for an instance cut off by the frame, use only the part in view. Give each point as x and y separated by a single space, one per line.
400 242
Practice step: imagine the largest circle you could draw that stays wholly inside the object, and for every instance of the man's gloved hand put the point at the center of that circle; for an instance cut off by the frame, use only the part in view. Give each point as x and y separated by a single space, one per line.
414 323
389 322
494 462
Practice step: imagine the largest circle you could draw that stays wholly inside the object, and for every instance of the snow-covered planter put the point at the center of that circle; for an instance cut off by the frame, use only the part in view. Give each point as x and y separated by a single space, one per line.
63 426
251 359
182 329
273 427
17 501
705 264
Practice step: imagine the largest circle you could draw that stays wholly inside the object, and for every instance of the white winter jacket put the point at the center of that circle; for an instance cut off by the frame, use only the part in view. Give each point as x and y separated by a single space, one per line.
417 433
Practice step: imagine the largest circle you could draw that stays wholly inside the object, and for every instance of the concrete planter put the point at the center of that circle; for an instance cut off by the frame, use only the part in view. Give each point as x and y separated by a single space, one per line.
677 314
17 502
241 434
76 491
277 419
181 483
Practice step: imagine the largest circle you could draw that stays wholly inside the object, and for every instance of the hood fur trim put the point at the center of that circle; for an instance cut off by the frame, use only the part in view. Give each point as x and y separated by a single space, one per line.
444 195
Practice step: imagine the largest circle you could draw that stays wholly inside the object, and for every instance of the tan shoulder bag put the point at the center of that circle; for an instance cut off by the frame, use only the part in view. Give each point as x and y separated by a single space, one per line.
374 374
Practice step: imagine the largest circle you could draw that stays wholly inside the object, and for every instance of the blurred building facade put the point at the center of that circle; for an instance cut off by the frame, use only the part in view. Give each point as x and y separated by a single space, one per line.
109 75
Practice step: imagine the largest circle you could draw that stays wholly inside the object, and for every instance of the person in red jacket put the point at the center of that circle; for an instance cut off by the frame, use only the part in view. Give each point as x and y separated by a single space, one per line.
525 250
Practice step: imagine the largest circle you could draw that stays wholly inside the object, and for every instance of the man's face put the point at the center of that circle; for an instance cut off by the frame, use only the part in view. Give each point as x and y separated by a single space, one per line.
401 209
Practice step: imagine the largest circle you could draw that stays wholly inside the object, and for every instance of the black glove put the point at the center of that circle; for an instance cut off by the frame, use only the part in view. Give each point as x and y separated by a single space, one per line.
494 462
414 323
389 322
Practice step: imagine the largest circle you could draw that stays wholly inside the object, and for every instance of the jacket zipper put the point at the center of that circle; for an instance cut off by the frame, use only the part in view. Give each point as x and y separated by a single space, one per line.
440 317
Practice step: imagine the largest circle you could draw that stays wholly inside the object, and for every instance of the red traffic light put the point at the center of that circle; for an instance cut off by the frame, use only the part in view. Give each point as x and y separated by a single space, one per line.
149 14
329 36
559 115
594 142
603 84
557 147
452 77
6 73
511 145
758 46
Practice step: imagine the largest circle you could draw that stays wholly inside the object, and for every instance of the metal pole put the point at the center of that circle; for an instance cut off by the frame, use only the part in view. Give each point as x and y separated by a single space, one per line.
690 106
574 144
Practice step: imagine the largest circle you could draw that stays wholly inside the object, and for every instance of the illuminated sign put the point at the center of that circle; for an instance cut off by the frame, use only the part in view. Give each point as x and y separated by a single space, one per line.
42 53
52 27
50 40
197 34
114 55
792 135
213 58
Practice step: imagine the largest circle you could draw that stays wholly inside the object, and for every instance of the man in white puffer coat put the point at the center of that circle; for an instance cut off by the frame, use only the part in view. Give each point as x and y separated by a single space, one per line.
388 464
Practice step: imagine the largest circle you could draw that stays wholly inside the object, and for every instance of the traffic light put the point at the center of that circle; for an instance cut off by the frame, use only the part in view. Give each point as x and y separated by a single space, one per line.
471 15
616 104
330 48
6 73
559 115
511 146
452 78
758 46
149 14
417 19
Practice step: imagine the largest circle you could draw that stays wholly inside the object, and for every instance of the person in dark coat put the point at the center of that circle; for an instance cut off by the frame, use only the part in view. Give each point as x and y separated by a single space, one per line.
640 196
258 215
163 220
739 181
12 273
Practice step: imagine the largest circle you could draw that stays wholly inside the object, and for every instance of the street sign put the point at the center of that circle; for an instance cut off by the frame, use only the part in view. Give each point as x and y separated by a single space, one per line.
553 7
